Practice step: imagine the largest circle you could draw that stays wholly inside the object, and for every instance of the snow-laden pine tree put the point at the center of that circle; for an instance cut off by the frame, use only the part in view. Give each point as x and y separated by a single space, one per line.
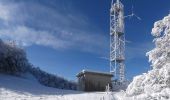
155 85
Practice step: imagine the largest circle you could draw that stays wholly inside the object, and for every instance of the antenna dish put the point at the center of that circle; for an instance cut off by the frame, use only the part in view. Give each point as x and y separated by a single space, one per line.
133 14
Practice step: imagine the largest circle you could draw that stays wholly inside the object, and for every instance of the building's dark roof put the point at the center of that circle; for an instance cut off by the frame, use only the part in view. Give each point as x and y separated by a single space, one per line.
94 72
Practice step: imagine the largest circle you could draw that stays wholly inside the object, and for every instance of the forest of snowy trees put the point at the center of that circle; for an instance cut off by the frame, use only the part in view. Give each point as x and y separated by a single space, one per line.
13 61
51 80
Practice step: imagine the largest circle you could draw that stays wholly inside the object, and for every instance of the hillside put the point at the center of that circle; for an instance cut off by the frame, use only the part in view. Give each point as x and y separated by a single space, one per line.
27 88
13 61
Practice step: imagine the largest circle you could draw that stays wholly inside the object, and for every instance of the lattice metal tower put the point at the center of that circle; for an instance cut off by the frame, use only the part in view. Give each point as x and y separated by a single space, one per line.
117 41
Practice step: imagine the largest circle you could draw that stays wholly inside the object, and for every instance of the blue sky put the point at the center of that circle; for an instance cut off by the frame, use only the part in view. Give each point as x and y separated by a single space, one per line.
64 37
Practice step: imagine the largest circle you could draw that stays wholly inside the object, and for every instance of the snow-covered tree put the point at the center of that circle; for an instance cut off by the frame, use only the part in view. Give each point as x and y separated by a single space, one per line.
12 59
155 85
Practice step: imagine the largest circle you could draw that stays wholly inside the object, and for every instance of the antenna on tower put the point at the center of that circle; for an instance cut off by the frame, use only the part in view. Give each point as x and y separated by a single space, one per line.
133 14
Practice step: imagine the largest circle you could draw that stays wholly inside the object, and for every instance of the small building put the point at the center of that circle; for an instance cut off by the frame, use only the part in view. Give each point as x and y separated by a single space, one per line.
93 81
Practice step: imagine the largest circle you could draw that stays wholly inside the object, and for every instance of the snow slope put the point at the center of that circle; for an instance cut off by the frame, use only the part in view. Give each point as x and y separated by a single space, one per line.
27 88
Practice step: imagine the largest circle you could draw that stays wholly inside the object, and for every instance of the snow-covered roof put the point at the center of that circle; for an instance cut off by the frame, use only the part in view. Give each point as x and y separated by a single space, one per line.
94 72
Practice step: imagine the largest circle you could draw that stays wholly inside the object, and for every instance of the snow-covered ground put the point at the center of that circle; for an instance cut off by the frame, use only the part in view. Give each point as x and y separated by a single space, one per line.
27 88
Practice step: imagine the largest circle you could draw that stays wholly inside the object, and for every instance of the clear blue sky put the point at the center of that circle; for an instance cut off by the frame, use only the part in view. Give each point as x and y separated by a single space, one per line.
64 37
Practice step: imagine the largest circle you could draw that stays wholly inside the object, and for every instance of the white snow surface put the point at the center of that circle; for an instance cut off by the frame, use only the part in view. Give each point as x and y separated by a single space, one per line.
27 88
155 84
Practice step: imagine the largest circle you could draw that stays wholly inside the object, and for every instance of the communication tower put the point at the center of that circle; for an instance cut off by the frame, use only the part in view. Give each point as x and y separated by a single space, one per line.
117 41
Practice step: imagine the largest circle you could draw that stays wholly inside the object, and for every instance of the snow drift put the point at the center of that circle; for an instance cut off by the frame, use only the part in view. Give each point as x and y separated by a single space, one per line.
155 85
